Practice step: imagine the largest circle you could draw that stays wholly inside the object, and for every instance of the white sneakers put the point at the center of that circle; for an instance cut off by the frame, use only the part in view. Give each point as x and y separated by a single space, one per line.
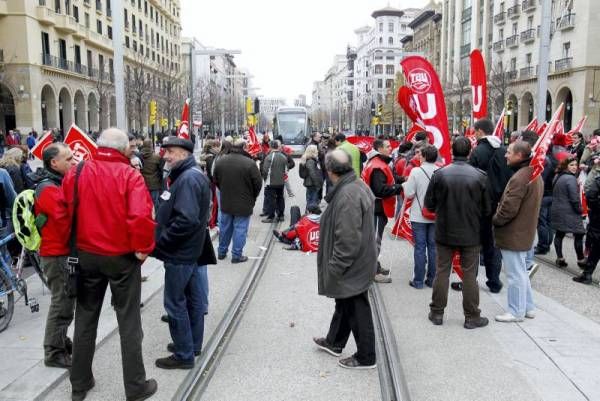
510 318
532 270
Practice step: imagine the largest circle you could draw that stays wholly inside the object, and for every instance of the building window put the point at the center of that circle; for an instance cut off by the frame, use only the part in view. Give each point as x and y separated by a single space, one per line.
381 27
380 83
390 41
389 69
566 49
380 40
87 20
378 69
404 27
109 31
389 83
99 26
513 64
127 42
76 13
515 28
391 27
528 58
530 22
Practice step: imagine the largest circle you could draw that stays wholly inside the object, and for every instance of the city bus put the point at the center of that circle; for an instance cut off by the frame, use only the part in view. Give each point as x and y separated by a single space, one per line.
292 124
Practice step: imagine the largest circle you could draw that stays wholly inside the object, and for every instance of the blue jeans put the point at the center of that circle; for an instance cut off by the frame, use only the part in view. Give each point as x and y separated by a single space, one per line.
520 299
544 231
312 197
155 195
186 303
235 227
529 255
424 236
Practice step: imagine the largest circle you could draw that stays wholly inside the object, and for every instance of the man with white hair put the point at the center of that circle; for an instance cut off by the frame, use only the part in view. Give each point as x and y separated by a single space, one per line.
114 235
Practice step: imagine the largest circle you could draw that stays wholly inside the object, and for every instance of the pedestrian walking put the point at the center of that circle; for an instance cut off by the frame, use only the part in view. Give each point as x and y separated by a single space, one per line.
458 195
347 261
310 171
274 170
545 234
565 214
114 234
423 227
54 249
593 232
31 140
514 230
152 171
239 182
183 244
379 177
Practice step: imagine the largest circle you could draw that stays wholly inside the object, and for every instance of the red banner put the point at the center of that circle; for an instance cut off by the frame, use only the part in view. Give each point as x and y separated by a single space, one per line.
413 131
470 135
499 130
478 86
42 144
81 145
405 101
541 128
253 146
184 127
578 127
543 143
532 126
429 101
402 227
365 143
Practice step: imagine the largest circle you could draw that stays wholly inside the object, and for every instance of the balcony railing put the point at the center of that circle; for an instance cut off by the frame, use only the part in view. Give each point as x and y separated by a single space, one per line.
465 49
528 5
499 46
500 18
512 41
67 65
566 22
563 64
528 36
514 11
526 73
511 75
466 14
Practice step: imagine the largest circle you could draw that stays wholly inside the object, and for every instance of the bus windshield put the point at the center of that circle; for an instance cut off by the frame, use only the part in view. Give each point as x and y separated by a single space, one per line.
292 128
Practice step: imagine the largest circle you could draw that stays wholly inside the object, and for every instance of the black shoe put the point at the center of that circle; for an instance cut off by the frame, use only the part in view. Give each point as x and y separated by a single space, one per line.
325 346
496 290
278 235
150 388
476 323
413 285
263 214
268 220
241 259
540 251
222 256
280 218
62 360
80 395
69 345
353 363
381 270
171 349
171 362
457 286
429 283
438 320
585 278
582 263
561 263
165 318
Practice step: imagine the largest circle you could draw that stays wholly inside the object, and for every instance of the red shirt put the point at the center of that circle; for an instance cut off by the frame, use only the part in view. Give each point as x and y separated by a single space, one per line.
55 233
115 208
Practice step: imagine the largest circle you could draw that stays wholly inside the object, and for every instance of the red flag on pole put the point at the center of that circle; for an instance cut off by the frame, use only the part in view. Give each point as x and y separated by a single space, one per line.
184 127
543 143
429 102
253 146
42 144
405 101
541 128
402 227
470 135
578 127
81 145
499 130
532 126
478 85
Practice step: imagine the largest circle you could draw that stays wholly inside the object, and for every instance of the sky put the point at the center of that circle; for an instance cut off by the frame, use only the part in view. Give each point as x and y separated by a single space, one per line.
286 44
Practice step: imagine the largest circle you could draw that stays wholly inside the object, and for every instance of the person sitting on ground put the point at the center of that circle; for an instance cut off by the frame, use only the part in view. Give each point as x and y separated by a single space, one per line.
304 235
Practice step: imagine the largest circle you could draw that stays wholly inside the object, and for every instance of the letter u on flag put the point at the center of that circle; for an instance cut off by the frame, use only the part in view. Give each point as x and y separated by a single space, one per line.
478 85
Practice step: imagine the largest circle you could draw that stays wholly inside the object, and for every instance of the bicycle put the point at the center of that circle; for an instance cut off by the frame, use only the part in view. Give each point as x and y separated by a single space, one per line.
11 280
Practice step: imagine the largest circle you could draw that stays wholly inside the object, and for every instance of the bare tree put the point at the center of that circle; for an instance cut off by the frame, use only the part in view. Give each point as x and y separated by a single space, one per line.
103 81
137 87
498 83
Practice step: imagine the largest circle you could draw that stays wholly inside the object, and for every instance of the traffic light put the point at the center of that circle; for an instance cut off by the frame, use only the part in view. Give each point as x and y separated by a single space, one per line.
248 105
256 106
152 116
379 109
372 108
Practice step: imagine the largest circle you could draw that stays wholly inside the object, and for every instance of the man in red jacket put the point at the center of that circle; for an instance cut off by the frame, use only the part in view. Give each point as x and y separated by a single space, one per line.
115 234
50 206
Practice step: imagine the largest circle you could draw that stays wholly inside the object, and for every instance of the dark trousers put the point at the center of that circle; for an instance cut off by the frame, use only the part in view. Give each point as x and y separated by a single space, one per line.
469 257
123 274
275 203
594 253
60 313
545 232
578 242
492 258
380 222
354 315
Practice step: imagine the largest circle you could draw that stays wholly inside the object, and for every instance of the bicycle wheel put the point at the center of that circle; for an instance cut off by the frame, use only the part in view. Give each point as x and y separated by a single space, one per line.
7 300
34 258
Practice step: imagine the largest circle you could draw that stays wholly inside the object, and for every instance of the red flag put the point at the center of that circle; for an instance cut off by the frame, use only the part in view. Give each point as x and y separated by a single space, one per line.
405 101
584 206
184 127
470 135
81 145
429 101
541 128
543 143
253 146
532 126
499 130
456 264
578 127
478 85
413 131
42 144
363 143
402 227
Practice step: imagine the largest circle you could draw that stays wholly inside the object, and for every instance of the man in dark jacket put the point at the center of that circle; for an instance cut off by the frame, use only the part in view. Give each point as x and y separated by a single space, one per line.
514 229
181 240
378 175
274 169
482 157
152 170
347 261
592 194
240 182
54 249
544 230
458 195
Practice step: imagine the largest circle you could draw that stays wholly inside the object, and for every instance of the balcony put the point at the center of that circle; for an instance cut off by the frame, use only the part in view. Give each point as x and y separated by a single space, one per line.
81 32
528 36
466 14
528 5
3 7
465 49
500 18
563 64
512 41
57 62
498 46
511 75
527 73
44 15
566 23
98 40
66 23
514 11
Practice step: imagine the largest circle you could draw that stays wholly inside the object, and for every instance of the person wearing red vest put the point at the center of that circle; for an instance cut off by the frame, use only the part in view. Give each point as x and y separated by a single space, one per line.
304 235
378 175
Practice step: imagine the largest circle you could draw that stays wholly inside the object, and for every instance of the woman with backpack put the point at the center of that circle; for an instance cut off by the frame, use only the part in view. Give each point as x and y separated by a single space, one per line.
565 215
313 177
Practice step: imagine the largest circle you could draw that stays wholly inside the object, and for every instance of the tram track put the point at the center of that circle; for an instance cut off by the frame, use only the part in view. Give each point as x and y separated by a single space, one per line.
196 382
565 271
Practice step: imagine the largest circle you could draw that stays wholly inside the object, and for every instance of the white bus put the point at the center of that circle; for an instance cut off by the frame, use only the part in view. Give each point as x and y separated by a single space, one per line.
292 124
